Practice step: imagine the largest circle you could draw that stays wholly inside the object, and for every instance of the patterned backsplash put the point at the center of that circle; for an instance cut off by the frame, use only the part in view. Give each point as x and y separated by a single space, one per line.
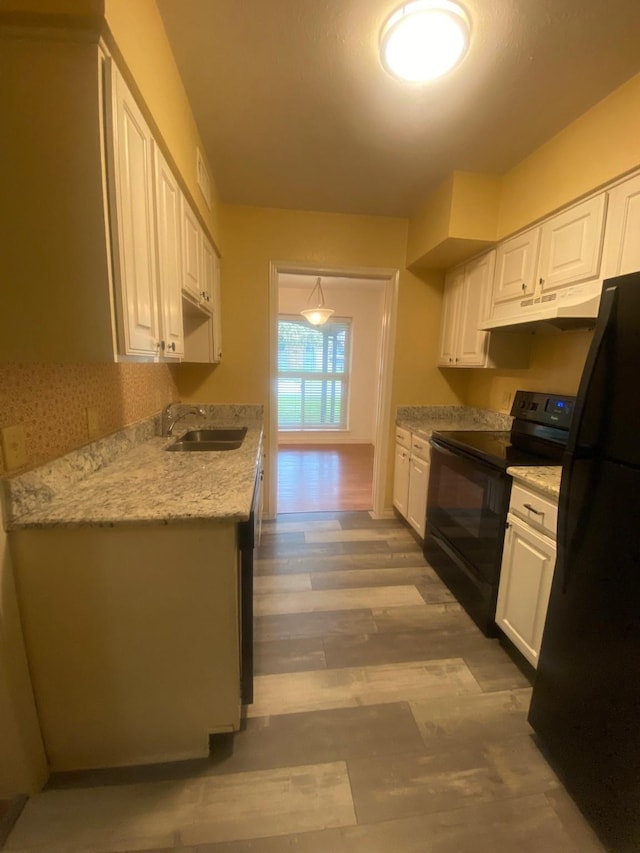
51 402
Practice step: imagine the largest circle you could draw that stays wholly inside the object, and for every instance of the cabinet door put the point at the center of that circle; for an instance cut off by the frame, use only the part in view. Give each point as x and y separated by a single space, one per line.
133 234
401 480
169 258
191 253
449 326
516 264
418 488
571 245
208 274
217 310
528 562
622 232
472 341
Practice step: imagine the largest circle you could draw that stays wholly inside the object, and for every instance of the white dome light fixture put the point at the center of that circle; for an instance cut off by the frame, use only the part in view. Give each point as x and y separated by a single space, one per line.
424 40
317 315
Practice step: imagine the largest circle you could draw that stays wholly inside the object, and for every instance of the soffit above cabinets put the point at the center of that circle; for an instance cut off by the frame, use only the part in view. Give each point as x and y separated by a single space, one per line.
296 110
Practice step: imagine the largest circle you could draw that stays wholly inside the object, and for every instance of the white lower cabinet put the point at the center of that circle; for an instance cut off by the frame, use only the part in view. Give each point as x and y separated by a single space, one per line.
418 488
528 562
411 478
401 471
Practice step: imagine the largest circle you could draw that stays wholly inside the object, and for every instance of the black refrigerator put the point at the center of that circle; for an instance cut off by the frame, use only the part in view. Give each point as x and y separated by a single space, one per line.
586 698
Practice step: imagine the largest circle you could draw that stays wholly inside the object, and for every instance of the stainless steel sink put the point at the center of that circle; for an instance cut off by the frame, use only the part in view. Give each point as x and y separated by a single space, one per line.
209 439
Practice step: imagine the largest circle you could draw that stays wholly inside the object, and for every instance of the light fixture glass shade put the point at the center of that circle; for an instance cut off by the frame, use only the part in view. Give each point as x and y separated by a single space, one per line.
318 315
424 39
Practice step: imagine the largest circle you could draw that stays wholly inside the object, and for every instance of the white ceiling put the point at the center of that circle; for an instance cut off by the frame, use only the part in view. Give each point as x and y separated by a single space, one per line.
296 111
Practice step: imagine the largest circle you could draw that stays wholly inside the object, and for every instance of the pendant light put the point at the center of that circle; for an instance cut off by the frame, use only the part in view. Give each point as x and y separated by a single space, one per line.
319 315
424 39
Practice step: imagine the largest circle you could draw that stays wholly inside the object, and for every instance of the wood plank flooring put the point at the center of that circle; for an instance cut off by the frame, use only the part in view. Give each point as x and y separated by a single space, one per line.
320 477
383 722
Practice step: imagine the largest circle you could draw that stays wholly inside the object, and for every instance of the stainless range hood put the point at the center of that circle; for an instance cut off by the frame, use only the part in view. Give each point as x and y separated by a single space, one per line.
573 308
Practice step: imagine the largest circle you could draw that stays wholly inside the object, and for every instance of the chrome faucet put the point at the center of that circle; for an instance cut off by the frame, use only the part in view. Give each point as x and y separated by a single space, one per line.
171 418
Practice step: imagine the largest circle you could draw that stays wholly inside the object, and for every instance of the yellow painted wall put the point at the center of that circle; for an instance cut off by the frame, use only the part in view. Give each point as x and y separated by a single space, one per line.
597 147
429 226
255 236
139 33
556 366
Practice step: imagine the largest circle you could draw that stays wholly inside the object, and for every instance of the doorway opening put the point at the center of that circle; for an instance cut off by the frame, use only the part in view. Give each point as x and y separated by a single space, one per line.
330 390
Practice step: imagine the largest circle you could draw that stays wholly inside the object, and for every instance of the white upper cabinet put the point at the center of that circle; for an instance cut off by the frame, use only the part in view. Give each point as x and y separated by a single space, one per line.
133 232
571 245
191 253
453 284
169 258
472 341
465 305
211 293
462 343
622 234
516 266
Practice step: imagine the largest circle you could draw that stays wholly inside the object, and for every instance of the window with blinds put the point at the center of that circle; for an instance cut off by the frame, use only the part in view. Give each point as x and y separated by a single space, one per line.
313 373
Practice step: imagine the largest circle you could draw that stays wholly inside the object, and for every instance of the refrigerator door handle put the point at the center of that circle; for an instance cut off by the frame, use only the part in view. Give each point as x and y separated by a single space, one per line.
607 303
574 449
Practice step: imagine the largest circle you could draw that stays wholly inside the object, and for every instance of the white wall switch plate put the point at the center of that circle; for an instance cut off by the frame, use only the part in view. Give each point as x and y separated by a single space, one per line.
14 447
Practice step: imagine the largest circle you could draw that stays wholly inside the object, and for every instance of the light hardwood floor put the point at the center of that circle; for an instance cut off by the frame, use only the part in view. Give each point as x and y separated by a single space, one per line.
384 722
319 477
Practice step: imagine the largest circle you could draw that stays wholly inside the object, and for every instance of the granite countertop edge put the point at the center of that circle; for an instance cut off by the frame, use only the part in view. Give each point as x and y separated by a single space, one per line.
128 479
543 478
424 420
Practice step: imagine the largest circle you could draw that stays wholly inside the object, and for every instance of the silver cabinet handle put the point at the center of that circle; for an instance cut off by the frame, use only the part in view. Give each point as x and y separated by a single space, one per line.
533 509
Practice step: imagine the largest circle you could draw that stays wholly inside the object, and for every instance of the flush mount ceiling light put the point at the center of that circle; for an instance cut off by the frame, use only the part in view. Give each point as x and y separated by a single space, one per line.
424 39
319 315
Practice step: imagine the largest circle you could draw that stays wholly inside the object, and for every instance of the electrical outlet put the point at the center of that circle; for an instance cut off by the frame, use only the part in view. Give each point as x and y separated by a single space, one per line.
506 400
93 421
14 447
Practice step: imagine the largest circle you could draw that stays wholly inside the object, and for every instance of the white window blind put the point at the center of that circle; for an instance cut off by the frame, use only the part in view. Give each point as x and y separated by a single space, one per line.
313 373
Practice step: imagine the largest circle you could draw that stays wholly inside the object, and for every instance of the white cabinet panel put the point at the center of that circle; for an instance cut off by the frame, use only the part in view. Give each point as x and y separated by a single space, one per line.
571 245
472 341
169 258
134 267
401 480
450 314
622 233
211 293
418 488
462 342
525 584
191 252
516 263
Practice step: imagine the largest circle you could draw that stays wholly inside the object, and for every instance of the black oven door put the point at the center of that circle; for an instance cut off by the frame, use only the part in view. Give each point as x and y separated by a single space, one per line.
466 515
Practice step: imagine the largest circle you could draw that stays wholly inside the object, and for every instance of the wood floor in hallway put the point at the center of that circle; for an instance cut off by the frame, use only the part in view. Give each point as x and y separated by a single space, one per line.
320 477
383 722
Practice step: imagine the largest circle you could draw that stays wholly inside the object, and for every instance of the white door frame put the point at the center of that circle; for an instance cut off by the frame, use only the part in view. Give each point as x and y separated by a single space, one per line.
390 277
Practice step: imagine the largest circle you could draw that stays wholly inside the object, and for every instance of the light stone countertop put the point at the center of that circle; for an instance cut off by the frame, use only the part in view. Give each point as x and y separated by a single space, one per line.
424 420
543 478
128 478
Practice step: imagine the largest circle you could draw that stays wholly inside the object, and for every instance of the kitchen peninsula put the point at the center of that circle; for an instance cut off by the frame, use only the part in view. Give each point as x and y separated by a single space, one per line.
128 571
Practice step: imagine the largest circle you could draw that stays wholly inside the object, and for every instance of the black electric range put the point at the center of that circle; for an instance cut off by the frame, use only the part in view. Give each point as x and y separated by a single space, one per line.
469 491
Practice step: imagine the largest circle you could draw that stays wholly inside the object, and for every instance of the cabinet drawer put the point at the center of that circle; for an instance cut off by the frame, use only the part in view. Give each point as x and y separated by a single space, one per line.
538 511
403 437
420 447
